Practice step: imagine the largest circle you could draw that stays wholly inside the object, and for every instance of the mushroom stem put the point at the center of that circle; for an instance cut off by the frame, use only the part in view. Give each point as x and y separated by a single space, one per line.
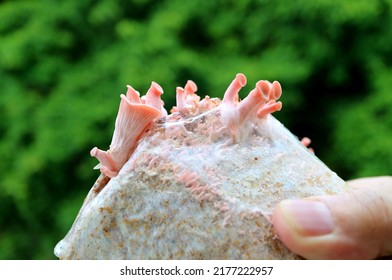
248 107
231 94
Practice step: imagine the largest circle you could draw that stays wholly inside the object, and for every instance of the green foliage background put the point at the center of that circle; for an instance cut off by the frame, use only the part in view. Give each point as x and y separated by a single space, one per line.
63 65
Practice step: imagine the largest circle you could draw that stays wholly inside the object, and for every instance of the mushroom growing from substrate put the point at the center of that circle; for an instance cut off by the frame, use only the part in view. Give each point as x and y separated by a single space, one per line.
198 183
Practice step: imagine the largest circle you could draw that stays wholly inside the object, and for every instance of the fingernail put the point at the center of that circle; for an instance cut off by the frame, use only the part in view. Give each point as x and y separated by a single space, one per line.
309 218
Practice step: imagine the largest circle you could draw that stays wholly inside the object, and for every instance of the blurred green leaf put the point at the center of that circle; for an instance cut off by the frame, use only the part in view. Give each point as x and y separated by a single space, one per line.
63 65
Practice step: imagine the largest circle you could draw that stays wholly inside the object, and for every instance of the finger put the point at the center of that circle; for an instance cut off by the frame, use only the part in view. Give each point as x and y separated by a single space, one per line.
353 225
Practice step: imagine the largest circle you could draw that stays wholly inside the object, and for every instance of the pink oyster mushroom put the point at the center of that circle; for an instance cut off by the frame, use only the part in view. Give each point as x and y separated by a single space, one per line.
136 114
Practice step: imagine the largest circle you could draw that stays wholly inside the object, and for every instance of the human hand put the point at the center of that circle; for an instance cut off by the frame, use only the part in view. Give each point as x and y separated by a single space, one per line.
352 225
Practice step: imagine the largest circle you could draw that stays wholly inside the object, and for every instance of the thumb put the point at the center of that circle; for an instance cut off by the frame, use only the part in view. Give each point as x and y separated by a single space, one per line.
353 225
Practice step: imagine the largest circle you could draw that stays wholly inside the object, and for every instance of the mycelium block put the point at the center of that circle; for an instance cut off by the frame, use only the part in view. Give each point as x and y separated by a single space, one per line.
199 183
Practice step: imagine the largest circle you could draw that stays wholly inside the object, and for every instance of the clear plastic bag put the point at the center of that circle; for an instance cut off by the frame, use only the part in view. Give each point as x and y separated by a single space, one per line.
200 183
